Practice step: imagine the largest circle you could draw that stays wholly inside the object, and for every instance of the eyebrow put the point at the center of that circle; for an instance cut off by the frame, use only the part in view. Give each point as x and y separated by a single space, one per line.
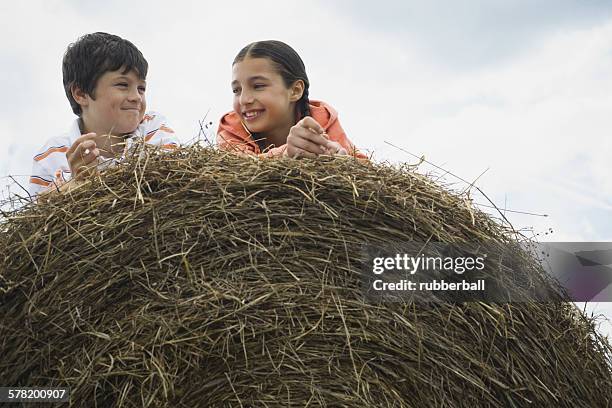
253 78
126 78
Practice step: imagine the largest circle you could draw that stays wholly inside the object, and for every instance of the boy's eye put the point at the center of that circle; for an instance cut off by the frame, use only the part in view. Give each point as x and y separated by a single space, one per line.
235 90
259 86
142 89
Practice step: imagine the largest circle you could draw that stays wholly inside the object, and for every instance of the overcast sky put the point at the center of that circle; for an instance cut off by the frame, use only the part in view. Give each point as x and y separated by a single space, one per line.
521 88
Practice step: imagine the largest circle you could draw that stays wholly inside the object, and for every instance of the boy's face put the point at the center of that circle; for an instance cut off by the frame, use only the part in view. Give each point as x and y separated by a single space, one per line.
119 103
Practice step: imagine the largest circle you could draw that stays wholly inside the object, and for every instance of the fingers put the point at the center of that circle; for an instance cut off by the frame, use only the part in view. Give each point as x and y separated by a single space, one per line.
309 123
296 150
319 136
83 138
336 149
303 142
296 153
83 156
306 139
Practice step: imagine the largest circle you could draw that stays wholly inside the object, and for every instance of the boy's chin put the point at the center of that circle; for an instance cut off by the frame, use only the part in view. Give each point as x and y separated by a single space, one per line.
127 127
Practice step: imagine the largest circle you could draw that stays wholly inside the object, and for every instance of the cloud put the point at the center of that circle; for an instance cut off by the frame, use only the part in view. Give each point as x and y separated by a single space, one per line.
523 88
473 34
538 121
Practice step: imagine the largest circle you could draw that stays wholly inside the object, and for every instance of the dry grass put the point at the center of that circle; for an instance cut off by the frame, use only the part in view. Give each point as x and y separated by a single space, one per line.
200 278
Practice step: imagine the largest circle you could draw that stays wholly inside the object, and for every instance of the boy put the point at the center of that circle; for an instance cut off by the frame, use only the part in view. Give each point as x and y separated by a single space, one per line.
104 79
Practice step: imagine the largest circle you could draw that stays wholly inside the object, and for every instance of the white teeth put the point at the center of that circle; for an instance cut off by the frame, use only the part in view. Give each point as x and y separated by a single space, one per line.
251 114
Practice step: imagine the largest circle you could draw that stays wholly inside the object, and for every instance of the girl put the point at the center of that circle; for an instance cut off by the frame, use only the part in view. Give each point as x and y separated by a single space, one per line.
272 114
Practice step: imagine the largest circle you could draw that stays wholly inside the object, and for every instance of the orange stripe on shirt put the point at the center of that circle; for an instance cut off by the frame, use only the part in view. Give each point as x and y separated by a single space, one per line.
150 135
35 180
59 175
148 118
163 128
62 149
169 146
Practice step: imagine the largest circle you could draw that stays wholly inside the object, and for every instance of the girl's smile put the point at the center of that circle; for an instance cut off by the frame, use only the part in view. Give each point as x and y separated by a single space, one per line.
252 115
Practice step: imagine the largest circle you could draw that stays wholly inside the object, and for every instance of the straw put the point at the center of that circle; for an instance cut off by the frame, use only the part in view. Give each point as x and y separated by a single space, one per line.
203 278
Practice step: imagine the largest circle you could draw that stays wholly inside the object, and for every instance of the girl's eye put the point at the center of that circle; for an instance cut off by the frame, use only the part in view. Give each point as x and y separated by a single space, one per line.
235 91
122 84
142 89
259 86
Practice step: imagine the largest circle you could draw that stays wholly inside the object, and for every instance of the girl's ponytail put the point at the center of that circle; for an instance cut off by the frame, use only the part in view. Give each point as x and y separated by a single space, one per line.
304 105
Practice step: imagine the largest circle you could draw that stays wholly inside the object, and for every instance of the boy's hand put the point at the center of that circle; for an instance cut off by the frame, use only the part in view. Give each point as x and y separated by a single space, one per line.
306 139
83 156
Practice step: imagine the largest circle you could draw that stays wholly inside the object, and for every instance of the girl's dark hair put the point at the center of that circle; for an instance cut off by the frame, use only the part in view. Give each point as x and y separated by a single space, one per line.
288 63
86 60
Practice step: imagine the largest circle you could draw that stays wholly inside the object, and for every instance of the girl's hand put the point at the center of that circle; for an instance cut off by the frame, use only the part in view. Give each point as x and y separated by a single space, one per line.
335 149
83 156
306 139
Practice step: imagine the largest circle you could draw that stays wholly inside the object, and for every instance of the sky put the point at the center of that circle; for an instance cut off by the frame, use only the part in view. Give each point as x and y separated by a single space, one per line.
518 90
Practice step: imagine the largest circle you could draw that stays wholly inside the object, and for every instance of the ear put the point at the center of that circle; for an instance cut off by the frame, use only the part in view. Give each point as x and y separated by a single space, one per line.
296 91
81 97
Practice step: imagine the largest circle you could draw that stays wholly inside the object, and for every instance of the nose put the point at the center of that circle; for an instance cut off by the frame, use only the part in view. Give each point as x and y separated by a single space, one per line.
134 94
246 97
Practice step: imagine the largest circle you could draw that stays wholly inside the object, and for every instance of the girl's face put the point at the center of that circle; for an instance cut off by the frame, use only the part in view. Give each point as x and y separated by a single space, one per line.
265 105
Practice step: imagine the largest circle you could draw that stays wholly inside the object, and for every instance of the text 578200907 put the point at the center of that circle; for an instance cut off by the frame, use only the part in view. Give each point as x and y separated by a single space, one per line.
34 394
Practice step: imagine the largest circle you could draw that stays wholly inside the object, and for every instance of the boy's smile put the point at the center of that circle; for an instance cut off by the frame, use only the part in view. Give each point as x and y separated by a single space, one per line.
117 104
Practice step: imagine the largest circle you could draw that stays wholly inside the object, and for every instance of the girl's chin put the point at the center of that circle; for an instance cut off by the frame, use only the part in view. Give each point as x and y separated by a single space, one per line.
255 128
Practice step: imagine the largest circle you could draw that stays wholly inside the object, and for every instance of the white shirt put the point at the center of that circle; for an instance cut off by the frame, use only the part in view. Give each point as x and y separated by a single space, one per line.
50 165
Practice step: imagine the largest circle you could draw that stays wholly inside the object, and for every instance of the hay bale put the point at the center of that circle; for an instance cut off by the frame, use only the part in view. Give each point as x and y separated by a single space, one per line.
205 279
